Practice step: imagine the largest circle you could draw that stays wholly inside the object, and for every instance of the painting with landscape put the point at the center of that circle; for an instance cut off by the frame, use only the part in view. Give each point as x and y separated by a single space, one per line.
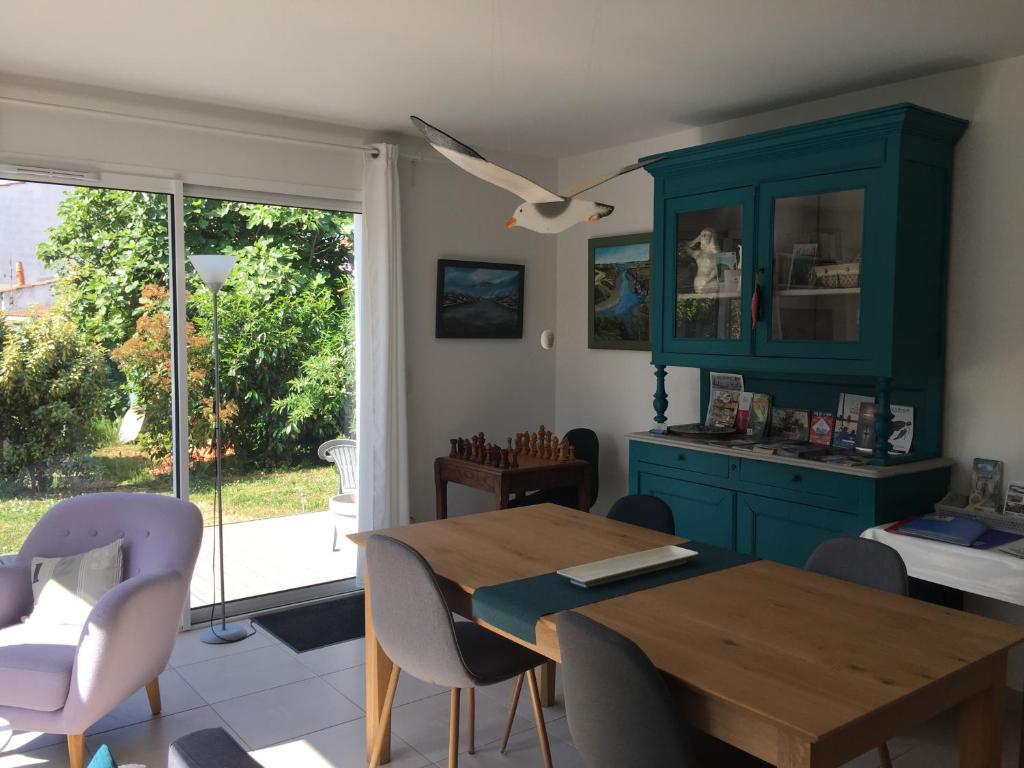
479 300
619 277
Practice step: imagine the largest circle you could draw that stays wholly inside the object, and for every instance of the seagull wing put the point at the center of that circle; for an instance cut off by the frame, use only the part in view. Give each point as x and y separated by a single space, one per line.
609 176
469 160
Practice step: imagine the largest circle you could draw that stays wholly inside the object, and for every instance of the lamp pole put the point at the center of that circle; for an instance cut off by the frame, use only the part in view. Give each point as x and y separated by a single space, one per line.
214 270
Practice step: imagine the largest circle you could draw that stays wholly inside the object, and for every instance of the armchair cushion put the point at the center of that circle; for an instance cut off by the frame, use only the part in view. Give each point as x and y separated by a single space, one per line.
65 589
35 665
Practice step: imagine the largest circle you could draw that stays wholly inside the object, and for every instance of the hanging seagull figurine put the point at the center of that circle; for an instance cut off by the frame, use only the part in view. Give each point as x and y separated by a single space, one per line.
542 210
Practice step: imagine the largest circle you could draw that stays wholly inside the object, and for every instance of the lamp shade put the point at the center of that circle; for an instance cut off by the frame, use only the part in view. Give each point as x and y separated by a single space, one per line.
213 268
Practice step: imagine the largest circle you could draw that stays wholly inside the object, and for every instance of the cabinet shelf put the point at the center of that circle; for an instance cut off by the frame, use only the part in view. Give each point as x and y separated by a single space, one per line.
820 292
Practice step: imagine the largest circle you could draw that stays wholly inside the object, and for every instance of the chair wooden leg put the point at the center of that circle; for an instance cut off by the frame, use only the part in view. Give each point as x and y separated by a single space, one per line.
453 731
153 694
385 716
512 712
538 715
471 719
883 756
76 750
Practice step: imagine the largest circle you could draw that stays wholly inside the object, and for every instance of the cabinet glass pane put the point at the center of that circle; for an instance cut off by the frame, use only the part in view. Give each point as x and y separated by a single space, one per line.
709 254
816 285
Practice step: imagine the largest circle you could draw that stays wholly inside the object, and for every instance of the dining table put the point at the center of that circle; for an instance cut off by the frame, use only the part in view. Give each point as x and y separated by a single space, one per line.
799 669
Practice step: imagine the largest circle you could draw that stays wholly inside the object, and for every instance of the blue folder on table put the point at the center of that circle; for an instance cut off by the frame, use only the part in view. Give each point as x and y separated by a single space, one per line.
952 530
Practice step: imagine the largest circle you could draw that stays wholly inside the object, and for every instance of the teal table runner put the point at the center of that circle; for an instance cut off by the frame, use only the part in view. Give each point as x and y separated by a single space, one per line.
516 606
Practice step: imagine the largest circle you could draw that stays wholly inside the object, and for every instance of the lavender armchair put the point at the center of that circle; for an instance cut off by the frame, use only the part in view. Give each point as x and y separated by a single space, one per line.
62 679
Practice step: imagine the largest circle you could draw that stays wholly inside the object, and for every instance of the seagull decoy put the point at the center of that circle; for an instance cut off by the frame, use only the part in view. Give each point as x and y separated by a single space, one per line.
542 210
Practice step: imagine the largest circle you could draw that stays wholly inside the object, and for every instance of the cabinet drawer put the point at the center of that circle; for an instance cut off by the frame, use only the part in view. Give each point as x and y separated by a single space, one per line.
801 480
682 459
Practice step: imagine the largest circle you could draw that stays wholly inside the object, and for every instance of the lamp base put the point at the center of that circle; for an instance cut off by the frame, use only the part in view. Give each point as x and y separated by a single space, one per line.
220 634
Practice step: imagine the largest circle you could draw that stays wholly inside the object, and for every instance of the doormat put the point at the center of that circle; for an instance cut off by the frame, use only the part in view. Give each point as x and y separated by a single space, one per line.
309 627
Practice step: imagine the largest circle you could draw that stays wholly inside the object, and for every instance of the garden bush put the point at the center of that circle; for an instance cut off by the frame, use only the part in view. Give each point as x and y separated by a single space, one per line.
52 385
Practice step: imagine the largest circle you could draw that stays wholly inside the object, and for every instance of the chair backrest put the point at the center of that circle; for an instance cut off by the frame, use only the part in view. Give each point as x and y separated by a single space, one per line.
585 444
343 454
861 561
160 532
645 511
618 706
410 616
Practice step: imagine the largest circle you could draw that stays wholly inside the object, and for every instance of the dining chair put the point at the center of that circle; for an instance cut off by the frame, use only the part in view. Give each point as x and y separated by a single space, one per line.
415 628
865 562
587 447
644 510
620 710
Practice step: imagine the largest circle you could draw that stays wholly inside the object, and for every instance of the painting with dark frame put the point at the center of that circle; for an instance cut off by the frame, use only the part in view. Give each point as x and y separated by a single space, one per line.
479 300
619 288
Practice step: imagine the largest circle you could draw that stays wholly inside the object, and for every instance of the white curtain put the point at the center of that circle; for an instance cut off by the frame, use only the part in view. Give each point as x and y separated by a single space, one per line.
383 484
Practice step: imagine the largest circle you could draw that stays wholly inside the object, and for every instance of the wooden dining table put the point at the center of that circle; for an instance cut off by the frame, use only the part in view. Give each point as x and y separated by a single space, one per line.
799 669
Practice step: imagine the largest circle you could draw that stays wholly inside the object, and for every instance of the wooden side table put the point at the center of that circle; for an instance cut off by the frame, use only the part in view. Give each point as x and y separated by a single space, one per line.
532 474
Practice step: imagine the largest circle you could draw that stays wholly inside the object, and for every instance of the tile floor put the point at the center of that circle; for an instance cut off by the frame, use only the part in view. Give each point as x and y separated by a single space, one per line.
306 711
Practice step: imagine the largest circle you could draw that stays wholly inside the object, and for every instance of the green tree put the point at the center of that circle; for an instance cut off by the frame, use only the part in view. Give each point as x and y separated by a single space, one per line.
285 312
52 383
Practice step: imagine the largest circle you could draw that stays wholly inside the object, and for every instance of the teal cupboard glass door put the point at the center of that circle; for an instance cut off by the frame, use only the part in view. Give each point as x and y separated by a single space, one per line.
708 266
817 258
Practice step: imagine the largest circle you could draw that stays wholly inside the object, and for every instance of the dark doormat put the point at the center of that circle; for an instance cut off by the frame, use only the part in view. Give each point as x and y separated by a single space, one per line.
308 627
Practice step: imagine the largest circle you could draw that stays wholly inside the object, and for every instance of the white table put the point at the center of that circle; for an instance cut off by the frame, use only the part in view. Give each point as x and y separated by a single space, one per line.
985 572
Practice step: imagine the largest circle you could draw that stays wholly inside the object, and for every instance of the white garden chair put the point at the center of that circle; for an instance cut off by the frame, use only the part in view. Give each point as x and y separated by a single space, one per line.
343 454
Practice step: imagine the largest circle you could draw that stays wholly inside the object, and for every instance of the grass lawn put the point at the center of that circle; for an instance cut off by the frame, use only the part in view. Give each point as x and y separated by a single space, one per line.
248 494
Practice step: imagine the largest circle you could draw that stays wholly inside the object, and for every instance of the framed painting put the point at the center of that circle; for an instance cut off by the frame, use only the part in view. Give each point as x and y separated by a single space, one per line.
479 300
619 287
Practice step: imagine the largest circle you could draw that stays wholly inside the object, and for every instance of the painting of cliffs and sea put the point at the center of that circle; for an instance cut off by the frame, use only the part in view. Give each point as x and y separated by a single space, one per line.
619 278
479 300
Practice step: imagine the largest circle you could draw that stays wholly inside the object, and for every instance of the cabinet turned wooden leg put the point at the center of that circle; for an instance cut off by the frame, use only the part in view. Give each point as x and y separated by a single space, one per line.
453 731
76 750
512 712
153 694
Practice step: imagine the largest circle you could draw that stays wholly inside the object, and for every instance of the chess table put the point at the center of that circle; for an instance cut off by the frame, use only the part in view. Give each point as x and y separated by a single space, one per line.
533 474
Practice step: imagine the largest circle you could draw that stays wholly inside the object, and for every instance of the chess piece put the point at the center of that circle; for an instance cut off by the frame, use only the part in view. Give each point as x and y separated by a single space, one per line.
534 439
504 455
509 444
453 452
563 450
514 459
572 452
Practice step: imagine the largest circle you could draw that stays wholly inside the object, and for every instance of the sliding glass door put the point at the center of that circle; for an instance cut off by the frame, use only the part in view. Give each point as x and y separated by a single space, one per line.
85 347
287 346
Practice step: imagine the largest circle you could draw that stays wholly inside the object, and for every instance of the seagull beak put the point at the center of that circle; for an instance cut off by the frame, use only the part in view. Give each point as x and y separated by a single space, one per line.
511 222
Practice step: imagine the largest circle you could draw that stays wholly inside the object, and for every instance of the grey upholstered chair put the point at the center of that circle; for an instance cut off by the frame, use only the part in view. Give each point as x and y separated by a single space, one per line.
63 679
645 511
865 562
415 628
618 706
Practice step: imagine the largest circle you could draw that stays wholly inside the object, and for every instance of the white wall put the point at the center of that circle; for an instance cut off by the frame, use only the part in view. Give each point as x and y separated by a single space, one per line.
458 387
611 390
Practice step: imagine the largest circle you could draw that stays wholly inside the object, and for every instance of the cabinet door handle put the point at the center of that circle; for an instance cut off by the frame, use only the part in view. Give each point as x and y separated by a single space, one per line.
796 478
682 457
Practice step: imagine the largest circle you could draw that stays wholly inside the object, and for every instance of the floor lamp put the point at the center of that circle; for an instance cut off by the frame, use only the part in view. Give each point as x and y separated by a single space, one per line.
214 270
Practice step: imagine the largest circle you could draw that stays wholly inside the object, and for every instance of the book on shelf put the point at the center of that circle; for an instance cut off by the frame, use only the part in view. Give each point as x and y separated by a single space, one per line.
760 415
986 485
743 414
844 433
865 440
821 427
790 424
800 450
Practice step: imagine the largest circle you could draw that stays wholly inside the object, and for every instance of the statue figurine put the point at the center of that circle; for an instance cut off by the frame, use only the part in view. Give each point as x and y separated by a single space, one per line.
704 250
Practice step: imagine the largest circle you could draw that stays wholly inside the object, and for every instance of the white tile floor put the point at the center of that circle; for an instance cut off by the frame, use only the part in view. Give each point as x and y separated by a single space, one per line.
306 711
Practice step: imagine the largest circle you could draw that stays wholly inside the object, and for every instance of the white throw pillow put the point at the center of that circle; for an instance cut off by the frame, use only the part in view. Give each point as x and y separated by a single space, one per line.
65 589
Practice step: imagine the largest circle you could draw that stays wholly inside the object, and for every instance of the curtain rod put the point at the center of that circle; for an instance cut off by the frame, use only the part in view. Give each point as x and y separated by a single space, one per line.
372 151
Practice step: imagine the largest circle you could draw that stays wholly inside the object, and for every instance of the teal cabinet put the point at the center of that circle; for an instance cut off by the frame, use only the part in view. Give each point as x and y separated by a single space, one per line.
811 259
775 509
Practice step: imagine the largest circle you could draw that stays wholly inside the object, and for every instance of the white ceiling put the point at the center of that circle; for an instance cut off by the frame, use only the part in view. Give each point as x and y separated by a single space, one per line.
547 77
